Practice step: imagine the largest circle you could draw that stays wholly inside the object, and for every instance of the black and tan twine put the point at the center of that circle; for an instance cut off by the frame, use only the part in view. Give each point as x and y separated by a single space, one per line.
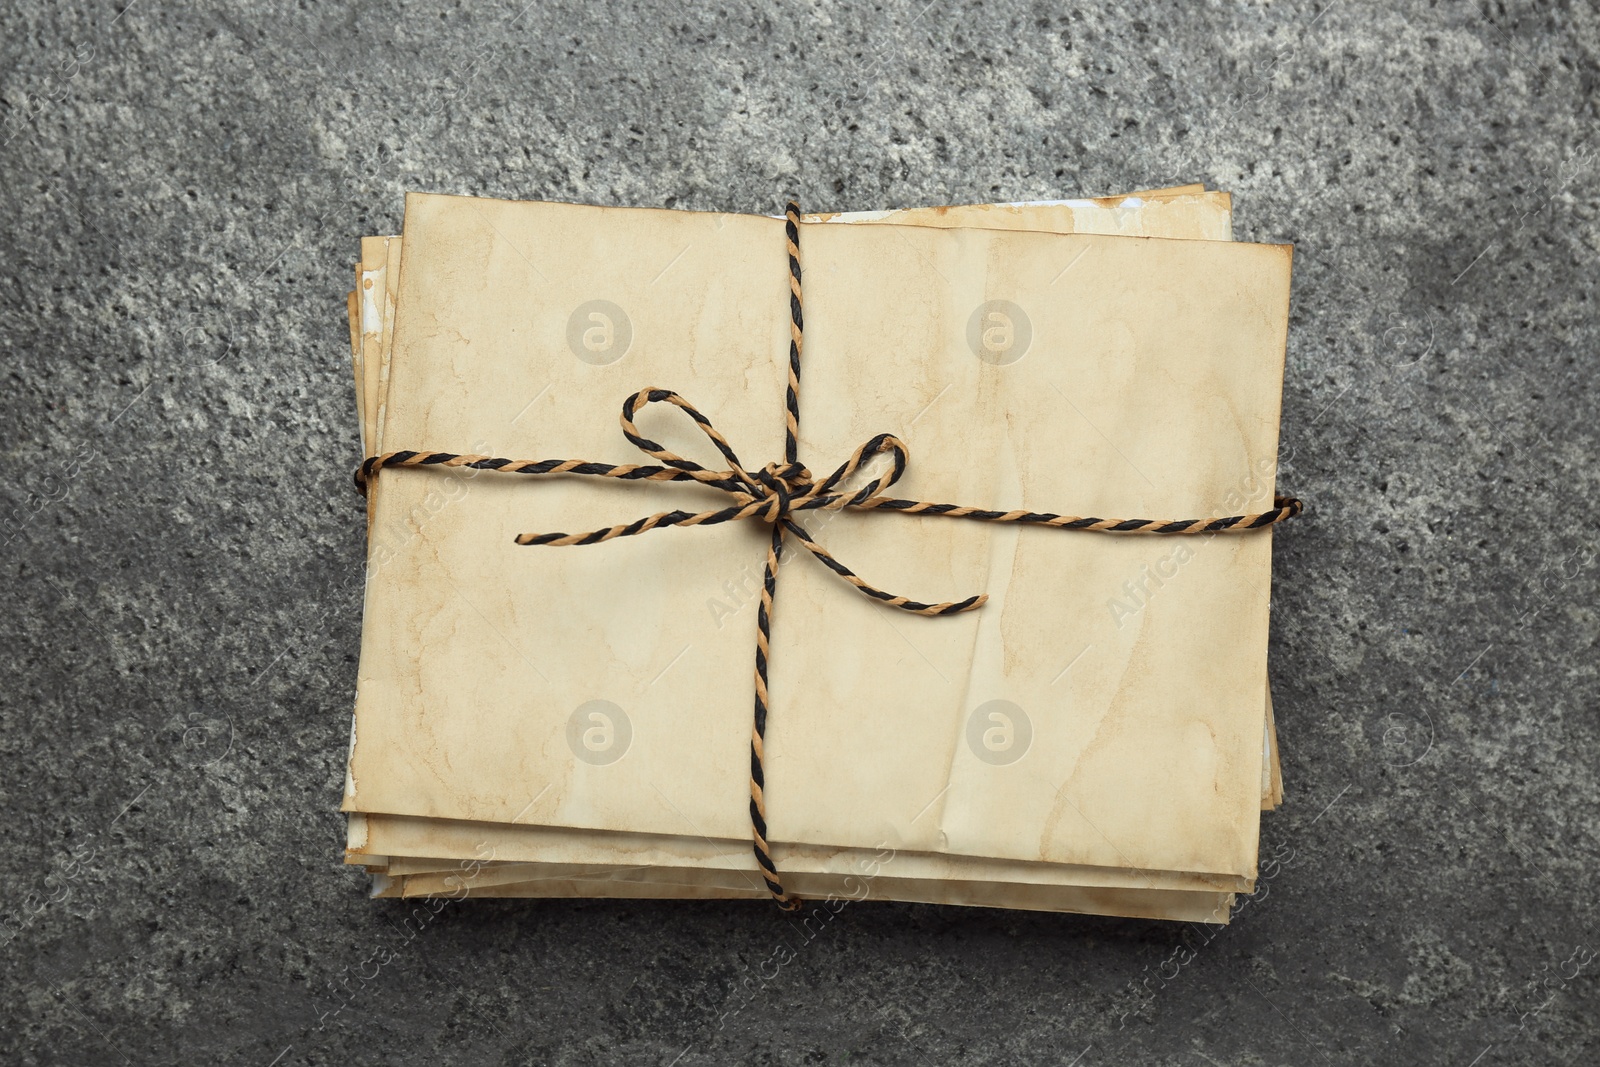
775 494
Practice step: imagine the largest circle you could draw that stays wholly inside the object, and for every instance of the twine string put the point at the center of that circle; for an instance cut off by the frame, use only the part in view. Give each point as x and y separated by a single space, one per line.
775 494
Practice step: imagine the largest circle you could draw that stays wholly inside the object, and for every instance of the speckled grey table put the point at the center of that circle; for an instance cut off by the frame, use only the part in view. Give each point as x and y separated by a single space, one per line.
184 184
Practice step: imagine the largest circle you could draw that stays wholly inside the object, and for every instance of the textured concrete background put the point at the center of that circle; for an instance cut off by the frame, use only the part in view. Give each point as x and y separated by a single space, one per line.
184 186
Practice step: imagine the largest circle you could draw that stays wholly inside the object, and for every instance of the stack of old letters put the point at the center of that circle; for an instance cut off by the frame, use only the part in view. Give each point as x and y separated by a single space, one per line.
575 720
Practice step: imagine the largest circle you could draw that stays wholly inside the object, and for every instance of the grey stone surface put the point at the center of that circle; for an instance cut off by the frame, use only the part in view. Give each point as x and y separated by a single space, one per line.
184 185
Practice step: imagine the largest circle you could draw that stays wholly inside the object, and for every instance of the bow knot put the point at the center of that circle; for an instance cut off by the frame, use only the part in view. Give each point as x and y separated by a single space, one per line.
774 494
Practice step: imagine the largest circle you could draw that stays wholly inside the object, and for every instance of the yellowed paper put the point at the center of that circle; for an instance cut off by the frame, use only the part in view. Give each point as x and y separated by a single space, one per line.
828 894
919 269
1200 216
353 309
414 845
370 289
944 217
